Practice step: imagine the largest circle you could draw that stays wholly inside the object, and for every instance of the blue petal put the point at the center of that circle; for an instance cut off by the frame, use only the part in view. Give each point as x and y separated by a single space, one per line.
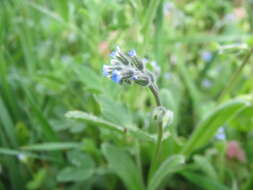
207 56
105 71
116 77
144 60
132 53
221 134
134 77
113 54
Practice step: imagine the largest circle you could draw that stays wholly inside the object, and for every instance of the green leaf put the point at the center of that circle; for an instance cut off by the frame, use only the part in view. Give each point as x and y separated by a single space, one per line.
52 146
89 77
7 124
109 125
94 119
11 152
37 114
122 164
114 111
243 120
84 167
209 126
80 159
169 166
204 164
204 182
74 174
38 180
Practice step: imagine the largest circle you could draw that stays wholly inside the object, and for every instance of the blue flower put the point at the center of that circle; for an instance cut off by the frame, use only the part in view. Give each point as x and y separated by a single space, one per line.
221 134
106 70
116 76
132 53
144 60
134 77
206 83
113 54
207 56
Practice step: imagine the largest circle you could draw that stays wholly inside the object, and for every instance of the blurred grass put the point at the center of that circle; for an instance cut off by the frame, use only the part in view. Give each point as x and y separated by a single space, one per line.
51 55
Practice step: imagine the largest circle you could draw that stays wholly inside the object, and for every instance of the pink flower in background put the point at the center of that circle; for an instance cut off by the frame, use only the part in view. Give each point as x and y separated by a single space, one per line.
234 151
240 13
103 48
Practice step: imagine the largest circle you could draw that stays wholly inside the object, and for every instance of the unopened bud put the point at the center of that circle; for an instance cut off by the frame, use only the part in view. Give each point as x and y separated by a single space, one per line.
163 116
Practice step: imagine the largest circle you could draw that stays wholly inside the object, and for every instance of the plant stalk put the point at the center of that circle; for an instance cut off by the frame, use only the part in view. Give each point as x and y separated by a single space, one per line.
154 91
235 75
155 158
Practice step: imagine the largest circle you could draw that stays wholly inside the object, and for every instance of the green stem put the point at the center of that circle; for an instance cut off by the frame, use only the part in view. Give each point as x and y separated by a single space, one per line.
155 92
138 158
235 75
149 15
155 158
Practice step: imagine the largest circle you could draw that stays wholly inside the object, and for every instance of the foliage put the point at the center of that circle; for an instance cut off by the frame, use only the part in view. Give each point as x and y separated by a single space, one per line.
51 60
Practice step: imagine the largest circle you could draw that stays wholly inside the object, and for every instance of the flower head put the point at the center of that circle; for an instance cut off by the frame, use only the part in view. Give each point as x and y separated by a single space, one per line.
127 68
234 151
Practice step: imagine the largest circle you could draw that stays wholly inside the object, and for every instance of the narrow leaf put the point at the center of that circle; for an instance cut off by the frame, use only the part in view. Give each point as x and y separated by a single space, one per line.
169 166
52 146
209 126
94 119
204 182
74 174
109 125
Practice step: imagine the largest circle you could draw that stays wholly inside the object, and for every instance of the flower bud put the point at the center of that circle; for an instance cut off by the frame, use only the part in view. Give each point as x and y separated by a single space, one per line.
163 116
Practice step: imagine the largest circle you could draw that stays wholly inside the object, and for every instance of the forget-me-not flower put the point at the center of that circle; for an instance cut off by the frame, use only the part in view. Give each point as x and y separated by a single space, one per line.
206 56
127 68
220 135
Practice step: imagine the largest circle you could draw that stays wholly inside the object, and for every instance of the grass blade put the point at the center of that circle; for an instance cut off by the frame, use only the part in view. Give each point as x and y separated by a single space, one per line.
208 127
169 166
52 146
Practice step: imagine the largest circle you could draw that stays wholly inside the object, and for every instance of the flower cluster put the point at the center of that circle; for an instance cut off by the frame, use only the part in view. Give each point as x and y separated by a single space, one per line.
128 68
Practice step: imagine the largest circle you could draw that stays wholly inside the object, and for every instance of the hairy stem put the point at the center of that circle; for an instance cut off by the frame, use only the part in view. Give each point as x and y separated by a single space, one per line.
155 158
154 91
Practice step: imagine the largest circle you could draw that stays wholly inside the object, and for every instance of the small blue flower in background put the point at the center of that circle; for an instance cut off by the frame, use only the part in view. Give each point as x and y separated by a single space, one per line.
230 17
168 75
22 157
206 83
168 7
144 60
206 56
132 53
220 135
156 67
